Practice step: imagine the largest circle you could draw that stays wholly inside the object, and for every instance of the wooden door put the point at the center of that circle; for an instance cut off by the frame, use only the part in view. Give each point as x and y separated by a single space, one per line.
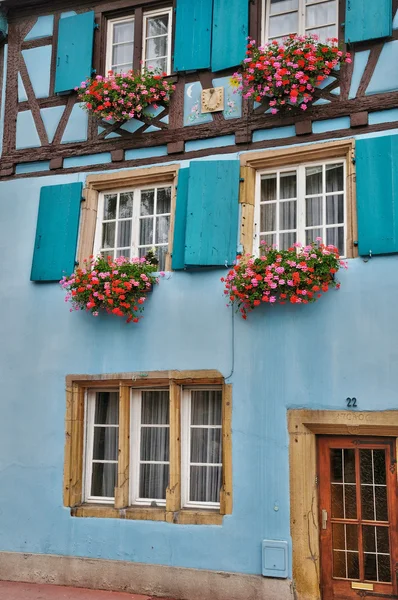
358 517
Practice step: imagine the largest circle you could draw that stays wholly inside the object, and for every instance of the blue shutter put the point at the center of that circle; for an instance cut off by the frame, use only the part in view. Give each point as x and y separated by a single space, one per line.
377 194
193 35
230 31
56 232
367 20
212 213
75 51
180 220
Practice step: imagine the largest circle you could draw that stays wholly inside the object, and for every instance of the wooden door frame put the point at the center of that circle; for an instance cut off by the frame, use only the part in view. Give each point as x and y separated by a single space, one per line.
303 426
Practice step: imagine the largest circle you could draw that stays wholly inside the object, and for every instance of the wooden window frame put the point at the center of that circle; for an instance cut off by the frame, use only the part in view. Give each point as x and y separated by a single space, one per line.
136 9
301 10
75 419
122 180
252 163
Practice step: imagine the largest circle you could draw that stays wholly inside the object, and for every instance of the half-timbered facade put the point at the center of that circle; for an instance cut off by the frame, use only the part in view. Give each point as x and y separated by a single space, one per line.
196 455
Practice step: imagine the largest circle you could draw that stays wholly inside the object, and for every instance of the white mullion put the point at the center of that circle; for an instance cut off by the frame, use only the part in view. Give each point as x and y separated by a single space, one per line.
116 225
278 187
135 420
136 222
99 224
301 204
302 17
324 203
185 446
155 210
88 445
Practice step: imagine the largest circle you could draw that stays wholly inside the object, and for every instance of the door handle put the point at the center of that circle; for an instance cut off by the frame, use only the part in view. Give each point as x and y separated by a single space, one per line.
324 518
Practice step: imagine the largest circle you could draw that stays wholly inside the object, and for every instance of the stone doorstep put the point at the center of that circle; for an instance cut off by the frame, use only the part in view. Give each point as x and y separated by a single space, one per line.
35 591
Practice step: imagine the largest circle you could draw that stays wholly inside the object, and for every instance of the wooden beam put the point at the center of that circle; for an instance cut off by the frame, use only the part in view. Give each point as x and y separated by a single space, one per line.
226 492
76 461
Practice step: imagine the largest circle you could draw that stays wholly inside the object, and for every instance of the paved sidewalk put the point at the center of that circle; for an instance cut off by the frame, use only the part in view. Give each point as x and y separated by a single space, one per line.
31 591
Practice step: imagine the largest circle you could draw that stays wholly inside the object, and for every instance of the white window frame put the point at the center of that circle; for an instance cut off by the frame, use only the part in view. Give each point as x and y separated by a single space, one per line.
302 29
109 39
158 13
135 448
89 410
135 219
300 209
186 447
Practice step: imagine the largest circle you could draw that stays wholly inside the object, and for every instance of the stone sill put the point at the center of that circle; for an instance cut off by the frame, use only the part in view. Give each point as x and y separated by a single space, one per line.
182 517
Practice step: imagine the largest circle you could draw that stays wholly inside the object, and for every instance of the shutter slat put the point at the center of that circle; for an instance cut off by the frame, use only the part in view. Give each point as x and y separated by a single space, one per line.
212 213
230 31
74 51
193 35
56 232
377 194
367 20
180 220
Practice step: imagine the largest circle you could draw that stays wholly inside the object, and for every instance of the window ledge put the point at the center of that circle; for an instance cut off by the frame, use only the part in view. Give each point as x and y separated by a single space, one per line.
182 517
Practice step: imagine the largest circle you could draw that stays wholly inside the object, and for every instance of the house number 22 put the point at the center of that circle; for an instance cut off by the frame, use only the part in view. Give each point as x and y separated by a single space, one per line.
351 402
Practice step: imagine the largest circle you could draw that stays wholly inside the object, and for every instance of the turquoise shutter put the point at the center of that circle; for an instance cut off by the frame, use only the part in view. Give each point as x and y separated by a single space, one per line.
212 213
367 20
180 220
56 232
74 51
377 194
193 35
230 31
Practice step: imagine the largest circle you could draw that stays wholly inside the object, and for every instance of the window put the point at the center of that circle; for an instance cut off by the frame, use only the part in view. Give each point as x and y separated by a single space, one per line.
131 222
282 17
154 49
162 447
201 449
299 204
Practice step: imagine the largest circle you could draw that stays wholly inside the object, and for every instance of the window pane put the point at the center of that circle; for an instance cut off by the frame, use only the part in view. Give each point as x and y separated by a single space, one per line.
268 217
105 443
334 209
278 6
313 180
206 407
312 234
123 32
268 188
270 240
108 235
287 215
155 443
370 567
288 185
384 568
162 230
313 211
206 445
124 234
157 25
352 565
283 25
122 68
147 202
154 64
335 236
379 466
122 54
286 240
146 232
324 32
156 47
154 479
339 565
123 252
321 14
107 254
334 178
126 205
110 207
160 253
155 407
103 479
106 408
205 484
163 201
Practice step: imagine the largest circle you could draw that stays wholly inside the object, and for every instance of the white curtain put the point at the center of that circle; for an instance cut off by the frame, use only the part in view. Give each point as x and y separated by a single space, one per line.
154 446
205 446
105 444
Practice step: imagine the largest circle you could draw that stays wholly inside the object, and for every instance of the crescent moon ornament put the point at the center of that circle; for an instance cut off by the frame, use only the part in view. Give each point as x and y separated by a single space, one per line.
189 90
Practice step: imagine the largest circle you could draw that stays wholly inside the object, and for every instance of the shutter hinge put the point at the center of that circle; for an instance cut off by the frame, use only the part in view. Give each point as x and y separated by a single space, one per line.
76 263
355 242
241 179
353 160
82 199
96 26
316 480
93 71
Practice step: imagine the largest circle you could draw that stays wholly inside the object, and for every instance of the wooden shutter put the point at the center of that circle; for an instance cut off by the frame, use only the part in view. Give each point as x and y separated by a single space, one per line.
377 194
212 213
230 31
180 220
193 35
56 232
74 51
367 20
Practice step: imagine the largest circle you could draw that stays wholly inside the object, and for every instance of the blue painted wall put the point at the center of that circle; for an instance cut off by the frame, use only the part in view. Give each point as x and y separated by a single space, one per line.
277 352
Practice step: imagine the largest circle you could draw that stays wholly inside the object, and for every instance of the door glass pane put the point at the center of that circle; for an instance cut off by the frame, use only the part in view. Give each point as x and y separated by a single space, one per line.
350 501
337 501
352 565
373 485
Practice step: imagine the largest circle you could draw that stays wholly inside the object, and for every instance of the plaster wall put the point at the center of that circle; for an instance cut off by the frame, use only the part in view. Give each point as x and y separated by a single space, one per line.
282 357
